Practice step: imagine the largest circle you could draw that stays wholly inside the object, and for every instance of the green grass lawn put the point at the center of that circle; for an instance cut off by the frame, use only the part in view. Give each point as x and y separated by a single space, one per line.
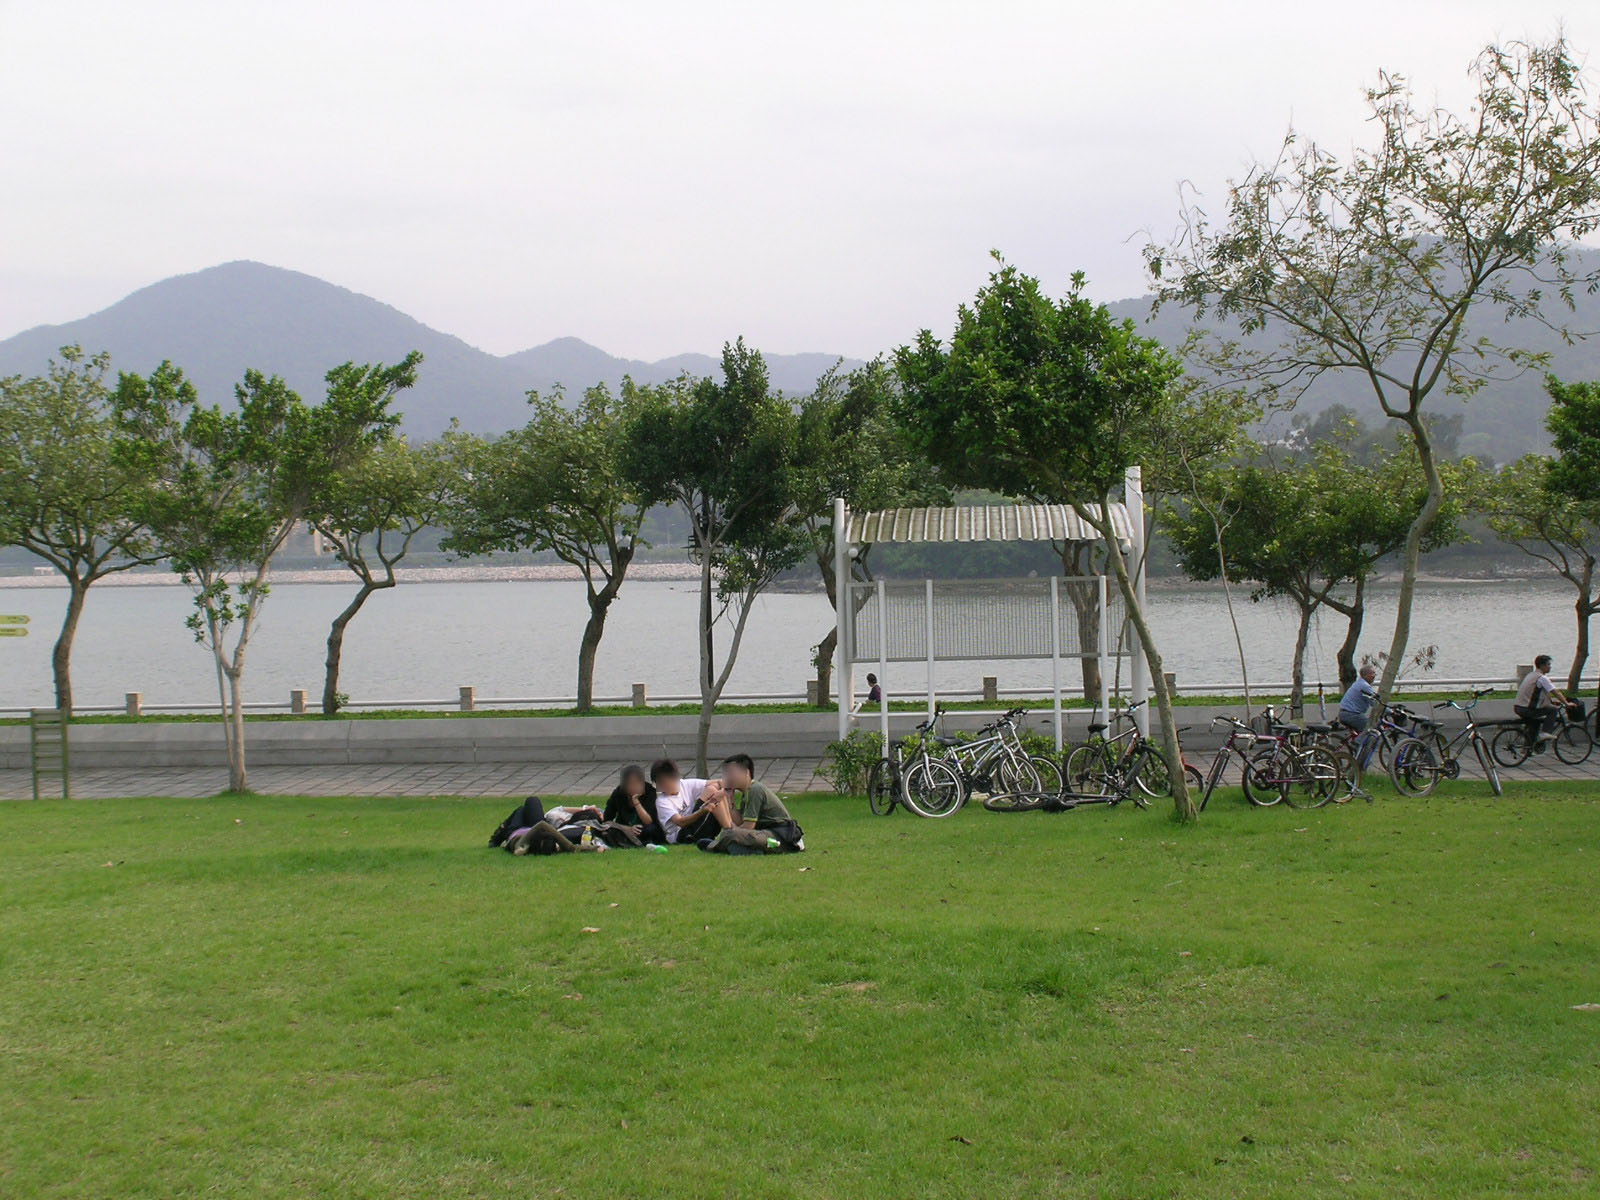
353 998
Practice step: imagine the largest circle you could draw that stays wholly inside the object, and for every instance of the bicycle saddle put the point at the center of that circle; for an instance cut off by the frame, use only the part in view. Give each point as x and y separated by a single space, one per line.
948 741
1318 727
1098 727
1425 723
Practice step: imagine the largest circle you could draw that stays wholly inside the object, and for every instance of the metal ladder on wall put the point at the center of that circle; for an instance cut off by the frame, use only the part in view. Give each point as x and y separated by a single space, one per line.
47 739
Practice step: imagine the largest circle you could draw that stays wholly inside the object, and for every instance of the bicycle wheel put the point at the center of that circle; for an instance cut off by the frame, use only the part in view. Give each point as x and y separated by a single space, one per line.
1574 745
1196 782
1511 746
932 789
1219 767
1413 768
1015 801
1086 766
881 787
1015 773
1260 778
1049 771
1149 774
1486 761
1314 778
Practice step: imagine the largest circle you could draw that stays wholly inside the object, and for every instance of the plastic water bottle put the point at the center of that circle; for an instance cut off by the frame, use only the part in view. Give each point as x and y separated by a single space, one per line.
656 848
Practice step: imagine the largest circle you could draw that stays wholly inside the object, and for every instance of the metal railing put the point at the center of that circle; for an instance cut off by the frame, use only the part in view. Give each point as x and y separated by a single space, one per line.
466 699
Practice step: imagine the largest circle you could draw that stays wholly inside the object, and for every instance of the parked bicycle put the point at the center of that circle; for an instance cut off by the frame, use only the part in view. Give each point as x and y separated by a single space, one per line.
994 760
1417 764
1127 752
911 776
1292 768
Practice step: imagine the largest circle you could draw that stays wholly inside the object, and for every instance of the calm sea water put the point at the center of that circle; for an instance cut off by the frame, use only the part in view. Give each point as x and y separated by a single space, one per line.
423 640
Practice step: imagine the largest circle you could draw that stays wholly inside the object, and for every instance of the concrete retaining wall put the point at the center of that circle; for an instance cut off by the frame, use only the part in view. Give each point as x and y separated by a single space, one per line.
525 739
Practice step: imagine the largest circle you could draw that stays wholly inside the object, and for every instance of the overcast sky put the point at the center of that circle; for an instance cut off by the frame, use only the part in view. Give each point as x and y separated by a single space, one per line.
659 177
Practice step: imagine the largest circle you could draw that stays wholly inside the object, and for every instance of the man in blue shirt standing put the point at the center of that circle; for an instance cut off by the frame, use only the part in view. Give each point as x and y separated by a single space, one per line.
1357 702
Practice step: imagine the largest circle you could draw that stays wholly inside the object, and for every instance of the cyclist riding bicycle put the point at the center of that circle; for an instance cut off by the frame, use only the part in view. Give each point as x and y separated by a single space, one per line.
1537 700
1357 702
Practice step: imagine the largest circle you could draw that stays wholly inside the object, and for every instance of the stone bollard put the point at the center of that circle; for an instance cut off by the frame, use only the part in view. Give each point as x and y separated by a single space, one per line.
1172 683
469 701
639 698
297 700
991 689
811 693
134 704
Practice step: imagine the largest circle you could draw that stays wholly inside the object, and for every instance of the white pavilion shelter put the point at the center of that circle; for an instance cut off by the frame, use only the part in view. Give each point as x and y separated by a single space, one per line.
930 621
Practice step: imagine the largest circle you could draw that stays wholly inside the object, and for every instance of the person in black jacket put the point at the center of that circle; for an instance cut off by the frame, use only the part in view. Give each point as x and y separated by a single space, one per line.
633 802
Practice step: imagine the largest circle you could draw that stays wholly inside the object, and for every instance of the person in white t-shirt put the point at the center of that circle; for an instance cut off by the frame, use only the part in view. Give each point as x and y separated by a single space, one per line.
1537 699
684 806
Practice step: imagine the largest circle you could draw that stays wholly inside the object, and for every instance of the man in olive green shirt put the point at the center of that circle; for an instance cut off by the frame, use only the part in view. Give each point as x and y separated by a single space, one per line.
757 809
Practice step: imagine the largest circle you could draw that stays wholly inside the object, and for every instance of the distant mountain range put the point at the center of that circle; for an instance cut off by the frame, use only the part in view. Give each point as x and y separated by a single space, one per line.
218 322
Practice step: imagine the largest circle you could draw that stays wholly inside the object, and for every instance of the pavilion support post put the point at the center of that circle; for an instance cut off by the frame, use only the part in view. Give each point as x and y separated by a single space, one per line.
844 609
1055 657
883 666
1139 670
1102 649
927 614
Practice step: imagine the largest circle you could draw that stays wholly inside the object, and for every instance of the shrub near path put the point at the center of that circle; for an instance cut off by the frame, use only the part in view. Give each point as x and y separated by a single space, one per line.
286 997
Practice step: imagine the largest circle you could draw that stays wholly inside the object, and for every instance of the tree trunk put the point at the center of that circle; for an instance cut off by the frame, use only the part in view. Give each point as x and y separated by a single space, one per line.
1355 614
825 652
61 655
708 700
1297 671
1585 608
1085 600
589 647
238 781
330 677
1182 803
1412 554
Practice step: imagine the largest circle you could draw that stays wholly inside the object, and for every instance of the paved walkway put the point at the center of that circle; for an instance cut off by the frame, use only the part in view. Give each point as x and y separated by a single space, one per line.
426 779
789 775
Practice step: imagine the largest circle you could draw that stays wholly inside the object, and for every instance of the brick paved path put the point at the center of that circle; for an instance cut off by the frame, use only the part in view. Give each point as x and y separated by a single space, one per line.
414 779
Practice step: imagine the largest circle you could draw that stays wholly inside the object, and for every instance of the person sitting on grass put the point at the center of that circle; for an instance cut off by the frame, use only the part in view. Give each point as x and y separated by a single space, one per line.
749 825
633 803
683 806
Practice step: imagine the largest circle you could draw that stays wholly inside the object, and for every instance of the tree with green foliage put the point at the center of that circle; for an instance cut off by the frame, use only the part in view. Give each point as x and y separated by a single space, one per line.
369 514
1574 425
65 494
1376 264
1050 399
1312 530
1550 507
234 483
851 447
558 484
727 453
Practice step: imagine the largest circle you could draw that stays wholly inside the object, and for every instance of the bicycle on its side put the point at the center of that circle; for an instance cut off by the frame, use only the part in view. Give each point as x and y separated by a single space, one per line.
1109 783
1417 764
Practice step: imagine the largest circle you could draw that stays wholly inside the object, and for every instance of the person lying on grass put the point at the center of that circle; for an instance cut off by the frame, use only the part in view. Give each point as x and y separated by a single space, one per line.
531 830
684 806
749 823
633 803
